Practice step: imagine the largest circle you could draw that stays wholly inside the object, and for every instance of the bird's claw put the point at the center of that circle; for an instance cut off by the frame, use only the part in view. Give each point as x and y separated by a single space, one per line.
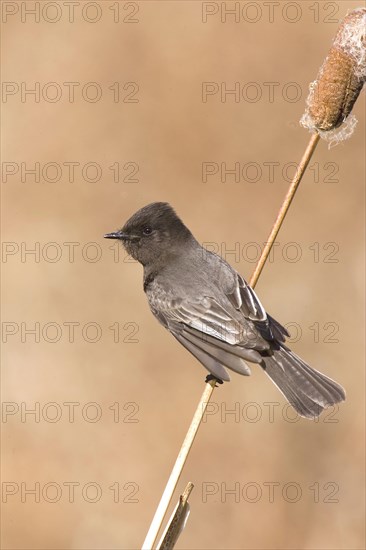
210 377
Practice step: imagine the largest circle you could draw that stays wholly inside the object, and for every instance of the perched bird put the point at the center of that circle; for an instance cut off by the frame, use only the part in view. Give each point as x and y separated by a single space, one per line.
213 312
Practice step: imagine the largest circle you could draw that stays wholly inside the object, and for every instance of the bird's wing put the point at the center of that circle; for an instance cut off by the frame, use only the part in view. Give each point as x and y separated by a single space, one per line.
244 299
219 334
238 319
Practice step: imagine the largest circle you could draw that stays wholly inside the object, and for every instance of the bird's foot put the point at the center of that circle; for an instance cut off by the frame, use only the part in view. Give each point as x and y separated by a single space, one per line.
210 377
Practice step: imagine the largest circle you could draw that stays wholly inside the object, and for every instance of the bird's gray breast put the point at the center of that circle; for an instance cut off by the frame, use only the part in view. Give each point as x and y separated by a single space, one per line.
162 298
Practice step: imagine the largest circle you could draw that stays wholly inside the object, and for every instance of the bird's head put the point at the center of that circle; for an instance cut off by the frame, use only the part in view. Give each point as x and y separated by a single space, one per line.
151 233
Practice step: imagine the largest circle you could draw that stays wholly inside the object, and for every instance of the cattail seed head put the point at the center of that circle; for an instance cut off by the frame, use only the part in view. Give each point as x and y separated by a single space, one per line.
339 82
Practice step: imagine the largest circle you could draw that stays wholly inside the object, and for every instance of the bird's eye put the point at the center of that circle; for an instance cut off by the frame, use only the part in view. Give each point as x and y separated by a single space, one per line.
147 230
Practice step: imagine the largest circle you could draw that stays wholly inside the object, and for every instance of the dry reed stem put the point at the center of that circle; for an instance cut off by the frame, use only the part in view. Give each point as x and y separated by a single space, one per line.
178 467
284 208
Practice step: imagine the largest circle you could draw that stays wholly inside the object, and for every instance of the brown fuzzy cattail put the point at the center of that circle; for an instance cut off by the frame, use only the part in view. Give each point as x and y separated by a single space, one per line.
339 81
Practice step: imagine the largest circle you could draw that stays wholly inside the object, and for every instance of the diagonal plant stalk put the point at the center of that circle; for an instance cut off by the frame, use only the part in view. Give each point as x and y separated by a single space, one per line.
210 386
284 208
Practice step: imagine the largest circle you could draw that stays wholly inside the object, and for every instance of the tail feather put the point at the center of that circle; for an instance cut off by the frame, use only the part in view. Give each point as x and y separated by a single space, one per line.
308 391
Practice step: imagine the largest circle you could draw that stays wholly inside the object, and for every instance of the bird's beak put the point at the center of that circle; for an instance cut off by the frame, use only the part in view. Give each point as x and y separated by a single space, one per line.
121 236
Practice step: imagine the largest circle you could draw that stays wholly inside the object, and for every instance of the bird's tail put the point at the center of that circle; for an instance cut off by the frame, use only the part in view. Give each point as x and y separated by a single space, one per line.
308 391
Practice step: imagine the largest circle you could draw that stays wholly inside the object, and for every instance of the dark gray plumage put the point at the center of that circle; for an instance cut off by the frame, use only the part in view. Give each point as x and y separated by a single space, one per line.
213 312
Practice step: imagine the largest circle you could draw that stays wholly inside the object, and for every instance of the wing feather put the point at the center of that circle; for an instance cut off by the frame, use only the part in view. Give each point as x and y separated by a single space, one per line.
239 319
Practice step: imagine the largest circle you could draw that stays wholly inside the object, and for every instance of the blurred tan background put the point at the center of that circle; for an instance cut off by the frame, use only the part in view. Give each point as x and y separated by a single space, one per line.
110 415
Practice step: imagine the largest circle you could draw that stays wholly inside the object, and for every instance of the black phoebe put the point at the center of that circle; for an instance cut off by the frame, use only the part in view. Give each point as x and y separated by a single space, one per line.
214 313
